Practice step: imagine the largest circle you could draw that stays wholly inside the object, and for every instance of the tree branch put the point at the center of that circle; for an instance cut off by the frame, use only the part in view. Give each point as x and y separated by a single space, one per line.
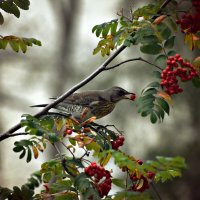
133 59
69 92
13 135
77 86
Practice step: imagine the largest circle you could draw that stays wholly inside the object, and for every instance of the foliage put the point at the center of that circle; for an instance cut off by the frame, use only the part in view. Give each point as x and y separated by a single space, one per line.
69 176
12 7
16 43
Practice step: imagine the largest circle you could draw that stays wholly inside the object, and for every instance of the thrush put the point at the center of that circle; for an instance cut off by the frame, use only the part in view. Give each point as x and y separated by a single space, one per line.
98 103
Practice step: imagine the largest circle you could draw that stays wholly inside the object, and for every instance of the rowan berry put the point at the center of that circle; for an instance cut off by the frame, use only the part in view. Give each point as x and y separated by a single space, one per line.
176 68
101 178
118 142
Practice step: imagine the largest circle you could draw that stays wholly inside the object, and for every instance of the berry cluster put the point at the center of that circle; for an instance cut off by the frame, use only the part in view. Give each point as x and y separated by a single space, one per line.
118 142
141 183
196 5
101 178
189 22
176 67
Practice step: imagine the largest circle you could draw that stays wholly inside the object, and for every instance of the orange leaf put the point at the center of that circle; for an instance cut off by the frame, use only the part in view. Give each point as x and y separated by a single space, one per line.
159 19
35 152
166 97
91 119
84 113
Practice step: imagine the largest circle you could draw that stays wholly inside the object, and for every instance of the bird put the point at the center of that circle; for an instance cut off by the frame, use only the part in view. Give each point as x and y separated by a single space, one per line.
95 103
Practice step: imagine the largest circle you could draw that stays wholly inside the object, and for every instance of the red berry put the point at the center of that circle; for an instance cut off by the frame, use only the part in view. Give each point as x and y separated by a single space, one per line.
140 162
133 96
150 175
68 131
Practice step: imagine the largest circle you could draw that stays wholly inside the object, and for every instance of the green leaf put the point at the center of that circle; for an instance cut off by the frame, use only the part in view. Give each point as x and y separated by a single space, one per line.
157 74
81 182
14 45
72 141
169 43
164 30
18 148
47 177
22 154
171 53
10 8
52 137
5 193
163 104
106 30
34 41
161 60
29 156
145 113
94 28
23 46
114 28
172 24
153 118
3 43
1 19
98 31
196 82
23 4
119 183
152 49
127 43
154 84
149 39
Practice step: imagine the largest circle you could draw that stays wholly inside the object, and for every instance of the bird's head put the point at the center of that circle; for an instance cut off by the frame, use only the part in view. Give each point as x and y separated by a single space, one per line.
116 94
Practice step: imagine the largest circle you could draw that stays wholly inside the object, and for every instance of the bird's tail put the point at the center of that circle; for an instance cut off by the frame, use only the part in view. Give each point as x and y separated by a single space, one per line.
40 105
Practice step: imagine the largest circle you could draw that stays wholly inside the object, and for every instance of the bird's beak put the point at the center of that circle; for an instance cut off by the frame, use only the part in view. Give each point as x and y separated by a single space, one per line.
130 96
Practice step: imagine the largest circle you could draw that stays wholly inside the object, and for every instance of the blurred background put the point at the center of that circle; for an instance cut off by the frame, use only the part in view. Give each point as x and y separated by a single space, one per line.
65 58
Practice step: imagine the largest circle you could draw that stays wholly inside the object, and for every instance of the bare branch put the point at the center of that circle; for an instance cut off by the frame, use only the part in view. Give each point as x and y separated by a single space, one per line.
12 135
130 60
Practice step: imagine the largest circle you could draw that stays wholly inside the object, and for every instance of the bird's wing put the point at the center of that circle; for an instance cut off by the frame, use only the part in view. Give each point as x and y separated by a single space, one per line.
85 99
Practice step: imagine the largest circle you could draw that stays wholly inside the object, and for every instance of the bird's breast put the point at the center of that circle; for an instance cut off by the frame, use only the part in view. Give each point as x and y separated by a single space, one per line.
103 109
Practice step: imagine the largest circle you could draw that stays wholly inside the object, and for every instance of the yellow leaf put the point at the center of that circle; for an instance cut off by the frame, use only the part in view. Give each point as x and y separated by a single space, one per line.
166 97
87 140
35 152
140 184
105 160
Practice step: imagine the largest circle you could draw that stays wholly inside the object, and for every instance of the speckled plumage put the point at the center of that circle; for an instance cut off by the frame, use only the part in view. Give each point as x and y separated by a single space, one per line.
99 103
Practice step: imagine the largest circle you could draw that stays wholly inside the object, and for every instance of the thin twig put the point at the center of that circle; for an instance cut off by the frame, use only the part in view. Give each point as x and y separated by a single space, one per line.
77 86
68 149
130 60
155 190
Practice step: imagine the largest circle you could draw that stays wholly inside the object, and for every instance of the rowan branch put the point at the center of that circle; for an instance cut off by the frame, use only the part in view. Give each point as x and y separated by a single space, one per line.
77 86
13 135
130 60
